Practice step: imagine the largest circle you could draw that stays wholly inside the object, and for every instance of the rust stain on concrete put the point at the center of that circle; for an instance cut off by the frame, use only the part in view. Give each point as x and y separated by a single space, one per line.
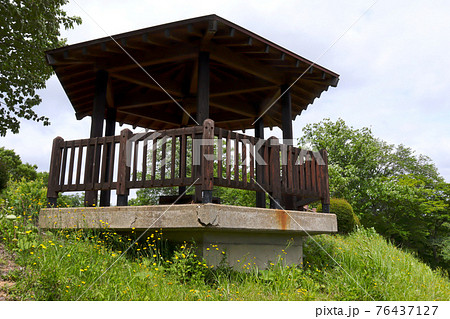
282 218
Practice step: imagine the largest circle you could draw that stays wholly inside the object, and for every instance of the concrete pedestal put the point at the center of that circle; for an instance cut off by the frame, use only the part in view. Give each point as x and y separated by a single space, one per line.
258 236
244 250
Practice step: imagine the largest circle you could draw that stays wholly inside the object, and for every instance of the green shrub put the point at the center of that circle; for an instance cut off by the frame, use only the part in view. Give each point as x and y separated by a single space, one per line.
25 198
346 218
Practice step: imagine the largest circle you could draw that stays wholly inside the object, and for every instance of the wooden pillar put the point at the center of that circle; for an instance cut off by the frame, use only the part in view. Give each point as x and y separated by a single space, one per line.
203 87
98 115
260 195
286 114
111 113
202 111
288 202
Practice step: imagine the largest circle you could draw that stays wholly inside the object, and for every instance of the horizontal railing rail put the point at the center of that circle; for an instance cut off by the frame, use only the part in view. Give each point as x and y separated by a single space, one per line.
205 156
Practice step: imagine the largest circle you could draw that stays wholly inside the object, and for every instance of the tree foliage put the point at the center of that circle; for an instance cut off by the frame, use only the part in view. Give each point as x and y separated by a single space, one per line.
14 168
390 188
27 29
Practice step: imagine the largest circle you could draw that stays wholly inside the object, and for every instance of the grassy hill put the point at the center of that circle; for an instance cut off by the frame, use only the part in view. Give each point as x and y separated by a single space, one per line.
84 265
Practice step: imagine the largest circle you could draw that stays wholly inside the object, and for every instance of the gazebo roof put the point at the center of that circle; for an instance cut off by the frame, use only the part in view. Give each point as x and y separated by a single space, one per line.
246 72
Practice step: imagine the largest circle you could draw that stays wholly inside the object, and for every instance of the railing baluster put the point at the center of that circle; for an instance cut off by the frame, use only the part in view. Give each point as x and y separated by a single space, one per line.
163 158
290 171
111 162
244 164
135 160
144 161
228 159
308 171
96 171
192 159
79 165
172 161
62 180
319 176
219 155
302 169
267 182
296 171
183 158
154 150
103 171
252 160
71 163
236 160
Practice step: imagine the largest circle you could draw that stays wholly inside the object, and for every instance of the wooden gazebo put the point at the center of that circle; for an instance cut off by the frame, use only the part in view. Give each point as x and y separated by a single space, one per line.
202 77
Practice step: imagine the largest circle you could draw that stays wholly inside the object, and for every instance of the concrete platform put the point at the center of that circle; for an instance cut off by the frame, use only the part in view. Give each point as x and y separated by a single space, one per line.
248 235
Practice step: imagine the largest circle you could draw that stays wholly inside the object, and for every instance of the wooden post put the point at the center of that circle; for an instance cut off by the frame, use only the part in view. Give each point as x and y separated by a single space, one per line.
105 195
203 87
182 164
55 169
207 161
98 115
286 114
325 186
274 172
287 201
260 195
202 105
123 173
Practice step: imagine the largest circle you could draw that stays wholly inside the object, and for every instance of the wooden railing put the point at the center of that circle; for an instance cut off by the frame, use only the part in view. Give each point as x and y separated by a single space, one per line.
205 156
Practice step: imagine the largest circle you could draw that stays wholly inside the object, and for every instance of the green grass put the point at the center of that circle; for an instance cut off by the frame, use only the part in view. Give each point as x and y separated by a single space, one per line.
68 265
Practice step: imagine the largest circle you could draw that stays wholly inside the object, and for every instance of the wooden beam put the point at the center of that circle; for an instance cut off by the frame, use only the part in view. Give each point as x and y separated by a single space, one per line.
137 104
146 81
153 57
233 105
245 64
210 32
167 119
239 88
224 122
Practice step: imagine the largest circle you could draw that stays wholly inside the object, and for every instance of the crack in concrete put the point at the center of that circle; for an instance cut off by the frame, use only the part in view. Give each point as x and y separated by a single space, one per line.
213 223
132 223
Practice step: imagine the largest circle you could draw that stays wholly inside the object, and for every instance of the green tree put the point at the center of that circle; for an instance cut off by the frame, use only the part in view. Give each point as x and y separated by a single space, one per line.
15 168
4 176
390 188
27 29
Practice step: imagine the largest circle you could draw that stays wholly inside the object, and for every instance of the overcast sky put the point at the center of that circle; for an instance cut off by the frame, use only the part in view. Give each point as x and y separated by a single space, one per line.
394 64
